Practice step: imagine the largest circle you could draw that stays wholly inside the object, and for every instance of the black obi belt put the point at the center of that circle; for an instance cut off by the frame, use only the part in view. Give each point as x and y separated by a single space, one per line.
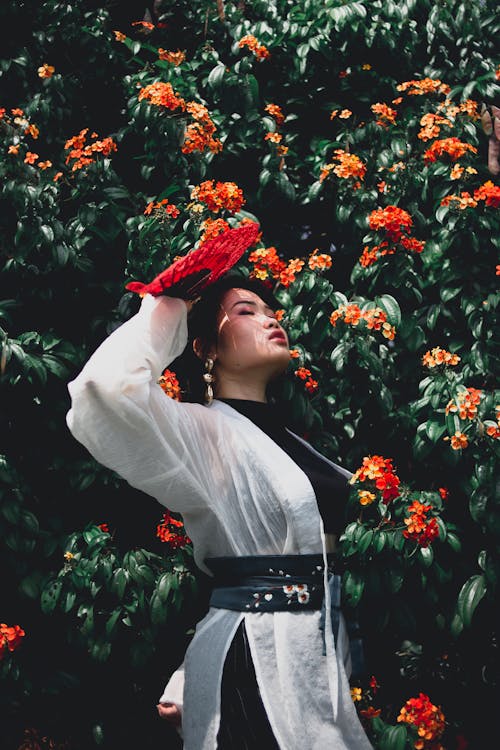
280 583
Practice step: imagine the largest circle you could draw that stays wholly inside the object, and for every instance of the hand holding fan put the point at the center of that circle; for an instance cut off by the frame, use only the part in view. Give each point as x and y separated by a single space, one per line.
199 268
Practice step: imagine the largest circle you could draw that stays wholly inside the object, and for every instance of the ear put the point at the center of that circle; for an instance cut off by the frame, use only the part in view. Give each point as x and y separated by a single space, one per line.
198 350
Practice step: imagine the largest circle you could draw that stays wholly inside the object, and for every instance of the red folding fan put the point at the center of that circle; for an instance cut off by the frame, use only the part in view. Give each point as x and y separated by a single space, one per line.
188 275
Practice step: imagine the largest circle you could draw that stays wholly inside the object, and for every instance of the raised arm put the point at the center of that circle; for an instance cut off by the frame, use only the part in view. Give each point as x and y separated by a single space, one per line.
124 419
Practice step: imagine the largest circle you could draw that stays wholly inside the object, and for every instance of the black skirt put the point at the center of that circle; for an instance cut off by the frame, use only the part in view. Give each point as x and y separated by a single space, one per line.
244 724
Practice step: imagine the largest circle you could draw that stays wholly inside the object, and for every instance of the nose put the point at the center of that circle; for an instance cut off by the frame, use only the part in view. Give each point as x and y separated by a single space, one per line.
271 322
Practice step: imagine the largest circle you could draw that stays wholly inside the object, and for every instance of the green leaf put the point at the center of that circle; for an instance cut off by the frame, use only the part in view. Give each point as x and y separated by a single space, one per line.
454 542
112 621
165 583
434 430
69 601
50 596
448 293
339 355
100 651
159 610
47 232
390 306
393 738
353 585
379 540
119 582
215 76
365 541
469 597
426 555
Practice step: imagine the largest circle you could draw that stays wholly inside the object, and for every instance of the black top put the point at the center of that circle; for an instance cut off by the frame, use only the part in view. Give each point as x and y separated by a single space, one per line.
330 486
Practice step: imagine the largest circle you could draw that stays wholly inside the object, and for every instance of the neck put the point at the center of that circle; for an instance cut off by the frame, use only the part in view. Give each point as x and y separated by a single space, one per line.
250 391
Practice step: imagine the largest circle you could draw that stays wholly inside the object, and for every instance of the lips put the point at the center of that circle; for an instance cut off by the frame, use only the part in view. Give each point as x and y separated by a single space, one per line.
277 336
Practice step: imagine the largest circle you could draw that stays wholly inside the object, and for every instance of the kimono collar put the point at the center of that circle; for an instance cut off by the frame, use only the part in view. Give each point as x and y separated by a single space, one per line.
259 412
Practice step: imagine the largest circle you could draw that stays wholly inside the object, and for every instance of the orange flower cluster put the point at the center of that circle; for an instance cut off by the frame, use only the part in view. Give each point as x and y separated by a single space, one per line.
85 154
162 94
349 165
488 192
424 86
427 718
468 402
169 384
319 261
431 126
104 527
444 493
274 137
304 374
162 208
454 147
212 228
419 527
375 319
119 36
458 440
266 261
168 531
494 430
172 57
276 112
199 134
289 273
437 356
457 171
462 201
468 107
344 114
386 115
260 51
379 470
46 71
221 195
394 221
10 638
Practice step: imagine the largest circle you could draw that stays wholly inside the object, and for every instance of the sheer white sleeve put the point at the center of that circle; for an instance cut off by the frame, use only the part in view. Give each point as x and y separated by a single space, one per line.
125 420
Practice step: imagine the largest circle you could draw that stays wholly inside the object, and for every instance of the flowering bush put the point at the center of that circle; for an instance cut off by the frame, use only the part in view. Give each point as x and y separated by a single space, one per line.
378 202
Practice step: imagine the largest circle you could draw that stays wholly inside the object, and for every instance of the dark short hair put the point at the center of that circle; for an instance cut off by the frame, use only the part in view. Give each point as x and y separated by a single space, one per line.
202 324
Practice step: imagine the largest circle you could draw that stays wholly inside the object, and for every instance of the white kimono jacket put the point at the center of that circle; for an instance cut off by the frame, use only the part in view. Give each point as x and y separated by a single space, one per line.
239 494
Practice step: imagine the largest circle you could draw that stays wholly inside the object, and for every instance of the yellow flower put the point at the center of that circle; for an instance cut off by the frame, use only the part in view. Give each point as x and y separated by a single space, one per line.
356 694
345 114
366 498
68 556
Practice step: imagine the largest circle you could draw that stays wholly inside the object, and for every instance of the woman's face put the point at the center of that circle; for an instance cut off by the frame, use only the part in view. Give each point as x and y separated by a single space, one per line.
249 338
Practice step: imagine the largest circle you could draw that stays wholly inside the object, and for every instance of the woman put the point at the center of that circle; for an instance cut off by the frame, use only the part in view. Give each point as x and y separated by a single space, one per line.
232 469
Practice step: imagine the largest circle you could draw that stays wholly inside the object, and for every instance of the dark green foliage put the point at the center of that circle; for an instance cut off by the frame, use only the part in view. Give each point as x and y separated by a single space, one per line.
110 614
